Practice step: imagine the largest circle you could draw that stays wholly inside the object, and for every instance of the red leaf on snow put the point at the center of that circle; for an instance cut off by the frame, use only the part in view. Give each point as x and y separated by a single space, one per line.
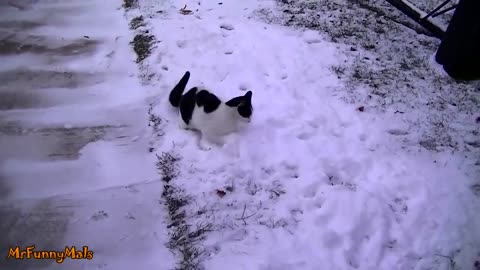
221 193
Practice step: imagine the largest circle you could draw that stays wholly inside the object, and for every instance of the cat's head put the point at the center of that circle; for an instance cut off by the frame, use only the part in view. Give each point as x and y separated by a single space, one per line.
243 105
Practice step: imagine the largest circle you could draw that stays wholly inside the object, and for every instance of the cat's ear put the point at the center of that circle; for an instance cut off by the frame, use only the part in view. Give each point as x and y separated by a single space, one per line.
240 100
235 102
248 96
247 99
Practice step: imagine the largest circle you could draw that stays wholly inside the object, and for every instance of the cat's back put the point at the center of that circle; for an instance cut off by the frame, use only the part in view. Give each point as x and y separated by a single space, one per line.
209 101
198 106
210 114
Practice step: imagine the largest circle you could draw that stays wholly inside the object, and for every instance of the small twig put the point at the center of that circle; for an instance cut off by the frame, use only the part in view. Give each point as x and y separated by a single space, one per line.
452 262
243 218
244 208
185 11
250 215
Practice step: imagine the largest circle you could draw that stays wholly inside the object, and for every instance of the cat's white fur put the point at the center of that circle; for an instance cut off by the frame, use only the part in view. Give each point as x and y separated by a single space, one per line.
213 126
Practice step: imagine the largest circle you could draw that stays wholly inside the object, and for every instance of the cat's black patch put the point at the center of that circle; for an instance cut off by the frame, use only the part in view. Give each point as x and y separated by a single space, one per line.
187 104
234 102
245 111
208 101
243 104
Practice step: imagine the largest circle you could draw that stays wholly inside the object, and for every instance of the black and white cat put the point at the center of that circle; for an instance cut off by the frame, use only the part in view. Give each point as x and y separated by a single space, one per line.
203 111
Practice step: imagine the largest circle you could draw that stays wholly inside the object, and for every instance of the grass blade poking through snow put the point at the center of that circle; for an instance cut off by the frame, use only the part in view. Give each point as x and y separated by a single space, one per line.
184 237
183 240
137 22
129 4
142 45
143 42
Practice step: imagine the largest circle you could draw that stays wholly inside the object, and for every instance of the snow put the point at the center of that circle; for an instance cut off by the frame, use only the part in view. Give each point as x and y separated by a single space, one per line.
311 183
316 183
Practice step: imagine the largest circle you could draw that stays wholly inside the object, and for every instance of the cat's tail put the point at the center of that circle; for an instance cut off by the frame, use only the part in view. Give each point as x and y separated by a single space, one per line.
177 91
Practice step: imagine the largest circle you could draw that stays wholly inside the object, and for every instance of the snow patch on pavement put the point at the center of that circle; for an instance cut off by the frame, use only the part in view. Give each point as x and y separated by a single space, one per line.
102 190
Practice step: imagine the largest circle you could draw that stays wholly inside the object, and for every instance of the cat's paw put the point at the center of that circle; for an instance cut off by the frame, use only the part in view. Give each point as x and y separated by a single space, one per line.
182 125
205 146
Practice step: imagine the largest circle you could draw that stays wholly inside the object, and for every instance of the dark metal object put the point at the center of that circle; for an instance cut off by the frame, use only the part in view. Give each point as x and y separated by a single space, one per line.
414 15
445 11
423 21
434 12
436 9
459 51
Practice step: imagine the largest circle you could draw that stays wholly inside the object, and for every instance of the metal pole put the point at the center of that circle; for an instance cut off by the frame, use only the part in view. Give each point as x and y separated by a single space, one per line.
436 9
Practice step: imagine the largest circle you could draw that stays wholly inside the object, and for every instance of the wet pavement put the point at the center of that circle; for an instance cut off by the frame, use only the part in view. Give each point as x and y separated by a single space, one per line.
46 175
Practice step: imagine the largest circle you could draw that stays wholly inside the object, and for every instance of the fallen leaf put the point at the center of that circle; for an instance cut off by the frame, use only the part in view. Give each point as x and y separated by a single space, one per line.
185 11
361 108
221 193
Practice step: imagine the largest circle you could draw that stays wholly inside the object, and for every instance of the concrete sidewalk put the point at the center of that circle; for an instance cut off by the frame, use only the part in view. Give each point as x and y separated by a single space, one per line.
74 163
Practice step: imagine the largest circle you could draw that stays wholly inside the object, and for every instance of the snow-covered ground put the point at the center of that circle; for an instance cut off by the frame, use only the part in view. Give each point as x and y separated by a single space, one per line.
313 182
325 176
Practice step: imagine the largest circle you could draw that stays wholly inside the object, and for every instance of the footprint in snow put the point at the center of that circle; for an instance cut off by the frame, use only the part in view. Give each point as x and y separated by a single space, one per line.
227 26
290 170
307 132
215 249
276 123
312 41
310 191
332 239
318 202
334 179
305 136
99 215
181 44
243 87
397 132
323 219
267 171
